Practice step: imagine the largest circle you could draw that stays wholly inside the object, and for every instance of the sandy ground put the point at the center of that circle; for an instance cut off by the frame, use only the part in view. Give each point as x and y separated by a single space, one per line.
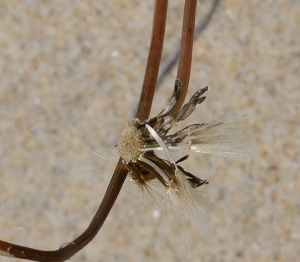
70 75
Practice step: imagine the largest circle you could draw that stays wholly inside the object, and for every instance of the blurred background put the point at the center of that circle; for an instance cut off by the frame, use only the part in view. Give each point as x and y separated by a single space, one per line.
70 78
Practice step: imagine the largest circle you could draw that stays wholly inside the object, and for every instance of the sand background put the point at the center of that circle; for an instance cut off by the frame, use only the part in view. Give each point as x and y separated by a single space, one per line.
70 74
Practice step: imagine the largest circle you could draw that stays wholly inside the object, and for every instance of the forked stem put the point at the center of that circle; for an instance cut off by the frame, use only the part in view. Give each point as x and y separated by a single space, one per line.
146 97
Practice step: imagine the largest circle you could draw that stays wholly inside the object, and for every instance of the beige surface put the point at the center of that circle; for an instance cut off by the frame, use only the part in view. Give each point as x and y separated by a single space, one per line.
62 89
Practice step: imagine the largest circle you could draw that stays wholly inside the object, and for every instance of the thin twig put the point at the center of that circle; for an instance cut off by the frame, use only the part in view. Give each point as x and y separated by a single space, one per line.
152 68
172 59
186 50
118 178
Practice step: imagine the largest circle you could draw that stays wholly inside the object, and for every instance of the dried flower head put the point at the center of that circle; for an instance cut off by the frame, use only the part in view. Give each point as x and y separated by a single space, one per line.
141 139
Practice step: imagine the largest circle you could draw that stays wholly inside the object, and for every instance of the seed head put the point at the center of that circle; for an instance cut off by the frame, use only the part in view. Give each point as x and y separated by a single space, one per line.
140 141
130 144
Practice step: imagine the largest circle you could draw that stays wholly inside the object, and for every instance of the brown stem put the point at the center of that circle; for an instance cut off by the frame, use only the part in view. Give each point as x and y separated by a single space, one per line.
186 49
172 59
118 178
152 68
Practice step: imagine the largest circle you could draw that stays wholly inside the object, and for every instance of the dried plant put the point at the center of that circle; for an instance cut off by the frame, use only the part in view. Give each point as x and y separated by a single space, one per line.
144 136
140 141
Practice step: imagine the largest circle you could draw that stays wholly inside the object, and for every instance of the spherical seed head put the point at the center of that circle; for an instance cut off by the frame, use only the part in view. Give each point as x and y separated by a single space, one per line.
130 144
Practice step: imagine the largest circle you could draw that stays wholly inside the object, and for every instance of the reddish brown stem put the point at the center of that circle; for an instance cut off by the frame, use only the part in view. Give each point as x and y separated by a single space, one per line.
144 107
186 49
118 178
154 57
